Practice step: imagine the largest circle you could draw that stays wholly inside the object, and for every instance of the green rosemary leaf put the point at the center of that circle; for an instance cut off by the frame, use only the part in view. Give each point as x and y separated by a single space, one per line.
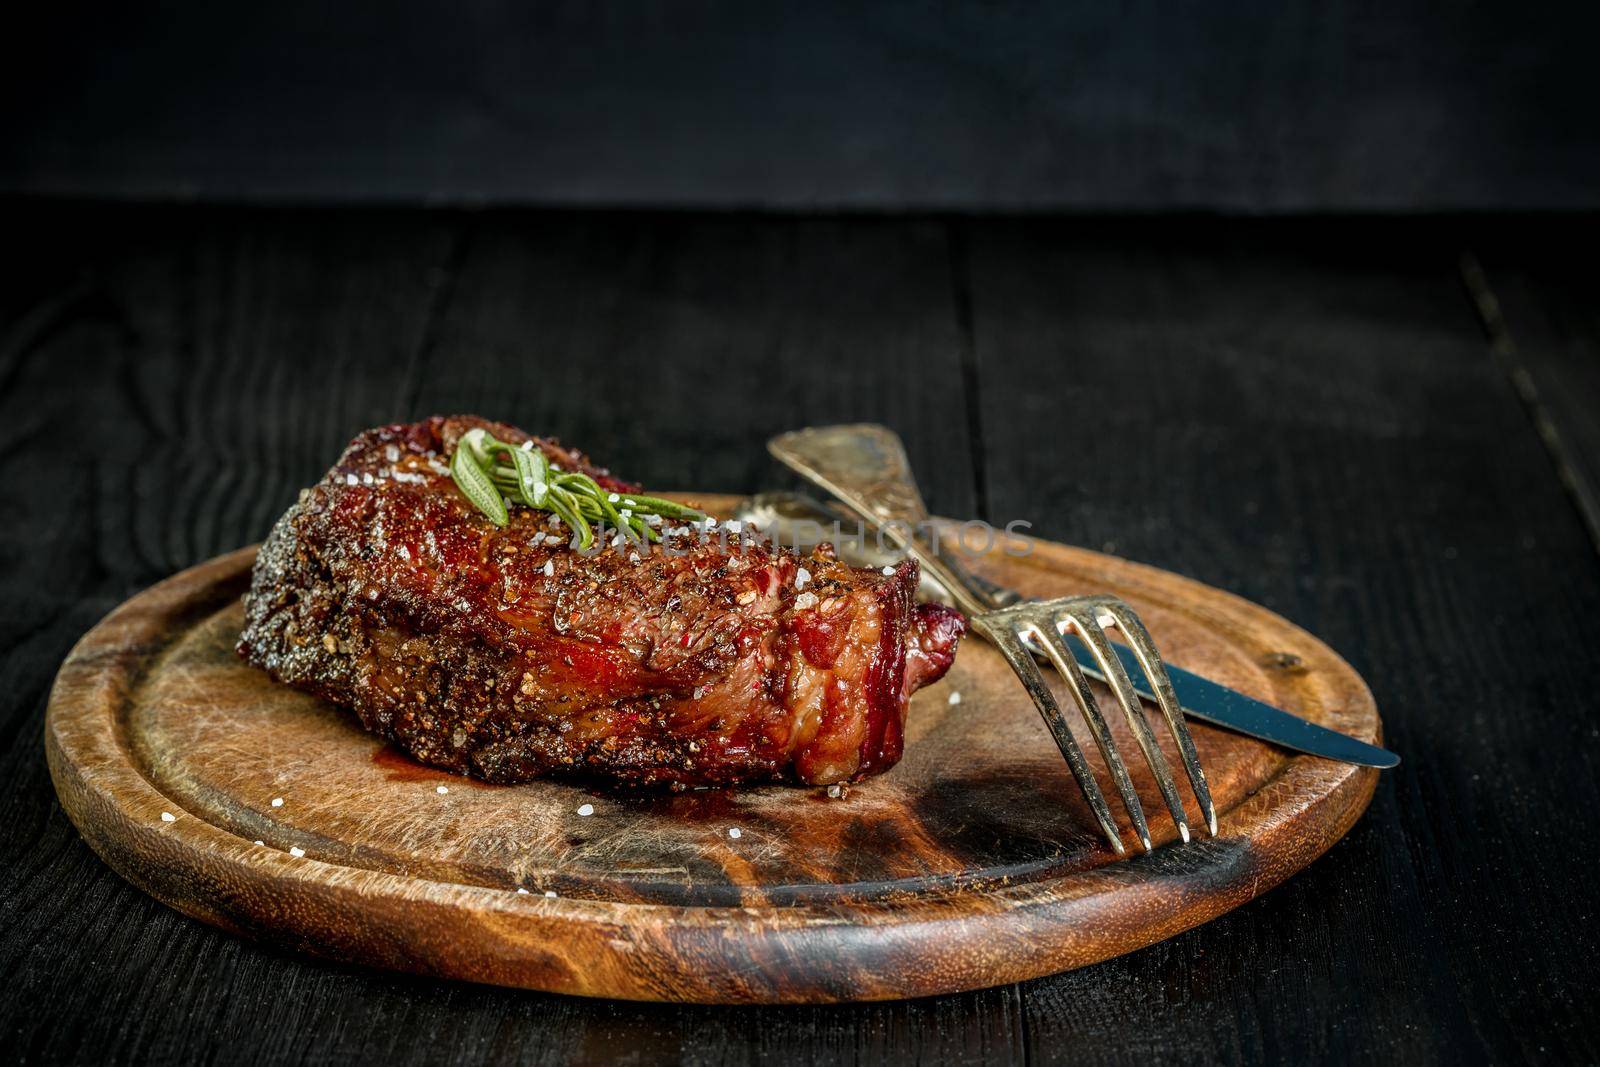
475 483
491 473
474 441
562 503
532 476
654 505
590 489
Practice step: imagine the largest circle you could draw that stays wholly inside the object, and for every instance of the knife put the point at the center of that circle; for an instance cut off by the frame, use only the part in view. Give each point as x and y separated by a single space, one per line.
1200 697
1203 699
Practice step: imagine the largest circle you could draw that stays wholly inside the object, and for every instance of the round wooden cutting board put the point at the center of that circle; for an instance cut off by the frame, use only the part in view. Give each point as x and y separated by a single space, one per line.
974 862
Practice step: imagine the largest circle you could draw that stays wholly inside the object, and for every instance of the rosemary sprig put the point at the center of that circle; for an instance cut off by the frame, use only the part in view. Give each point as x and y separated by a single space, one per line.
493 474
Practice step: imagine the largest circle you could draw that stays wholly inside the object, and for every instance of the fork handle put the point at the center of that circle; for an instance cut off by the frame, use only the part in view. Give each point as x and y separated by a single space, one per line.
864 466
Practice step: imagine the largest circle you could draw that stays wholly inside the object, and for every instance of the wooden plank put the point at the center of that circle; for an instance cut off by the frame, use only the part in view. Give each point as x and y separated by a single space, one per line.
1534 284
1327 422
1282 411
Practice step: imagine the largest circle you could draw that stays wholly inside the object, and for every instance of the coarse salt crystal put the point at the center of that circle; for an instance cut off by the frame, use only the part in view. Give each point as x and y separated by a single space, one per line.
351 479
955 698
805 601
888 569
296 851
167 816
441 789
366 479
835 791
586 809
550 892
801 578
522 891
277 802
549 568
735 833
262 843
392 453
527 446
613 497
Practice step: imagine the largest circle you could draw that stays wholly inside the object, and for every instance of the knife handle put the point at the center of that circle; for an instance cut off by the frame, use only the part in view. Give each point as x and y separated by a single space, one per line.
864 466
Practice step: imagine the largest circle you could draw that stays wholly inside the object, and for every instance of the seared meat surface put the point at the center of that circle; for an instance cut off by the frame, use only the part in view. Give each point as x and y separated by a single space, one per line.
504 653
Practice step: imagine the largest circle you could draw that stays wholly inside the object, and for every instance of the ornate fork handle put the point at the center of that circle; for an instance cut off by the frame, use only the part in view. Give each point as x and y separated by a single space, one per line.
864 465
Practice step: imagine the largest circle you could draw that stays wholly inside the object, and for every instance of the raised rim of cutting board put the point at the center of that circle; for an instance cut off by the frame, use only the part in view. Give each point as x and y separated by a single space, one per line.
968 938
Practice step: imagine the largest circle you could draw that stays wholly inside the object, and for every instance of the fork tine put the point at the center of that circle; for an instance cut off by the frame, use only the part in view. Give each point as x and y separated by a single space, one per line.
1085 621
1051 642
1144 649
1000 630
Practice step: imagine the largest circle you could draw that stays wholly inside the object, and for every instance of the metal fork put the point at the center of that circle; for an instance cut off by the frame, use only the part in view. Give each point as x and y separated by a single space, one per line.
865 467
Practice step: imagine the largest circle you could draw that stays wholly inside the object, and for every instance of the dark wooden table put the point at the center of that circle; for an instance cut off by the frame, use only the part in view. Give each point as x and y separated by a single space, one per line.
1383 429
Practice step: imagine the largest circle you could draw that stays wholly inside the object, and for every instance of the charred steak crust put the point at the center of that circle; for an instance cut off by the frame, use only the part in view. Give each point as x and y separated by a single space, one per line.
505 654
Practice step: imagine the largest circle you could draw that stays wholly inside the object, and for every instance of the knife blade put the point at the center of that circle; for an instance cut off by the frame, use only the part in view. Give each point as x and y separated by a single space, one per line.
1203 699
1200 697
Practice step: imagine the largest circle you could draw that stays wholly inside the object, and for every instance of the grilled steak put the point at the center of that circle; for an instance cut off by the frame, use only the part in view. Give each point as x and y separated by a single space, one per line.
504 653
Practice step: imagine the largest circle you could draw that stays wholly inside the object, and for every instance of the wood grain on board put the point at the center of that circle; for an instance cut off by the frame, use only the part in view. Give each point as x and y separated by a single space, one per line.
973 863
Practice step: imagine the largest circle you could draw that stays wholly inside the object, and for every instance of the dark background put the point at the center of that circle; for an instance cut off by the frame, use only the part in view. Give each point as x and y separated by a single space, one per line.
1342 358
1257 105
